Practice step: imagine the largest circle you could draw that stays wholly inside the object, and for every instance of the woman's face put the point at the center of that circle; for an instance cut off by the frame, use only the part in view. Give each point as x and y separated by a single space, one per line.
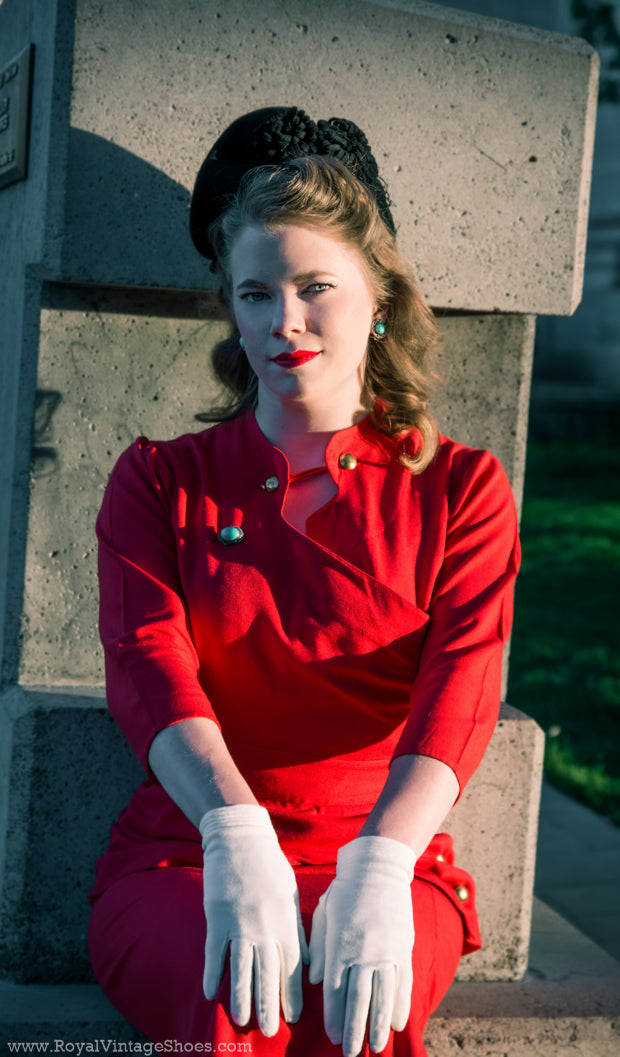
303 305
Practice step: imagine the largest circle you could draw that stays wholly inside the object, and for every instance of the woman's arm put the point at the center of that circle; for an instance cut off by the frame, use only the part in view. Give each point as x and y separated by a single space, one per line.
154 691
362 929
417 796
250 893
191 761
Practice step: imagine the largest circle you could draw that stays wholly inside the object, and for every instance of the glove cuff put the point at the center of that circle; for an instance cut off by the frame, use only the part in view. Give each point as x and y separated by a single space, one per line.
235 817
376 853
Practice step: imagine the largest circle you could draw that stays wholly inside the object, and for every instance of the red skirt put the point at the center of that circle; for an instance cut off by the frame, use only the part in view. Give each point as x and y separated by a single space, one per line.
147 939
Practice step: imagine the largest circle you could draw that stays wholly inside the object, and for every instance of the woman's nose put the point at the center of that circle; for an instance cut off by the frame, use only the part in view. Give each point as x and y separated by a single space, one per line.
288 317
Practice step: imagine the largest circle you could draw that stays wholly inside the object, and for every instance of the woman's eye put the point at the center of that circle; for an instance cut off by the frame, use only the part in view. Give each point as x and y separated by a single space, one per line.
254 296
318 288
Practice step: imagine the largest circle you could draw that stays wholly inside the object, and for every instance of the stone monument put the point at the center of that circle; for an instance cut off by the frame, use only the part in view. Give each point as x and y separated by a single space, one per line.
483 131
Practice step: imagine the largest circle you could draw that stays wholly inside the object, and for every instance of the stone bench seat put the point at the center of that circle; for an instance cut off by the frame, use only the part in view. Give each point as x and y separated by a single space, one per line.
63 801
567 1004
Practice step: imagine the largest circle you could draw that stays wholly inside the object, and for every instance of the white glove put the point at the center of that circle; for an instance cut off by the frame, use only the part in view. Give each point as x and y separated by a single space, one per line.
251 903
361 943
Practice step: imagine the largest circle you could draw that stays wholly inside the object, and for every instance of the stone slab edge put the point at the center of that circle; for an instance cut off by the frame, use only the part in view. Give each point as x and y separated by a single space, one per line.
104 147
474 20
572 992
574 45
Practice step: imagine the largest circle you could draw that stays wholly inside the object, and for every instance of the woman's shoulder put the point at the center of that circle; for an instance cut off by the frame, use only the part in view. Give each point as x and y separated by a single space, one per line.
469 475
454 465
462 457
179 453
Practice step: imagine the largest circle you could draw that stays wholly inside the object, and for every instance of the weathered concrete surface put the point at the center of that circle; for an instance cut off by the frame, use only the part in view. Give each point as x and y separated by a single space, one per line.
29 218
67 1012
482 129
60 812
71 774
494 827
113 365
483 392
569 1004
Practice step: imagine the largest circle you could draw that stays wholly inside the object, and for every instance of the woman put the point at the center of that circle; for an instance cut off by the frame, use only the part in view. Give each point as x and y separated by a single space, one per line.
303 611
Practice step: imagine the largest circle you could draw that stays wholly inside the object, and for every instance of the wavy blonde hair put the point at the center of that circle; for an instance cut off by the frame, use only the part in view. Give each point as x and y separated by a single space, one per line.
321 192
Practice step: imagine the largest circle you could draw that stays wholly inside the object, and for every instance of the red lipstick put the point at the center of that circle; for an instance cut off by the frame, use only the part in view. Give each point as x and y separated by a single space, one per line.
296 358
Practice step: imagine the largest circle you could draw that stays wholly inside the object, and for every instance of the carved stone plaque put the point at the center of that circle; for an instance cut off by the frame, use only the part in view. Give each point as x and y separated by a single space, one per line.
15 81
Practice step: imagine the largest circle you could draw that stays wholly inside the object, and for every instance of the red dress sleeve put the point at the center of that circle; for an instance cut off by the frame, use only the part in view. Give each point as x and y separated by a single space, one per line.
150 660
456 694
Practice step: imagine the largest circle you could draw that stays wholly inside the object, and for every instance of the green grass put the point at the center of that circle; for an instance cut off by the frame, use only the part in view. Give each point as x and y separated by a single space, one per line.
565 657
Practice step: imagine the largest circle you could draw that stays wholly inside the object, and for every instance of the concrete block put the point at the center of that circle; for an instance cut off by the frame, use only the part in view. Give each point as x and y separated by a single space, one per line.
62 1015
483 131
111 366
483 392
29 211
495 826
60 809
71 773
568 1004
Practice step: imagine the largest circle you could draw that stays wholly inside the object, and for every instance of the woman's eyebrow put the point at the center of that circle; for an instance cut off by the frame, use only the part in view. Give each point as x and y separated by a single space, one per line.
250 282
304 277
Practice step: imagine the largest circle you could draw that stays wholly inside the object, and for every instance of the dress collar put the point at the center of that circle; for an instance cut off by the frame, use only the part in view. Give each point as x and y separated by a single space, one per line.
362 440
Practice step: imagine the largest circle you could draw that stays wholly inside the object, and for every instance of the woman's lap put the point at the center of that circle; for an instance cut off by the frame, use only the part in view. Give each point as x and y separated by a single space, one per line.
147 940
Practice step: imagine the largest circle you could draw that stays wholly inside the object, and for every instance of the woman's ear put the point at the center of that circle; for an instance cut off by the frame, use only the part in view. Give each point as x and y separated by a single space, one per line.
380 315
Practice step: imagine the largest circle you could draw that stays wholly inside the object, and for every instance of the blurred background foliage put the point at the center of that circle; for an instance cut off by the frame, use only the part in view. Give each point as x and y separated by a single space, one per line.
565 657
596 23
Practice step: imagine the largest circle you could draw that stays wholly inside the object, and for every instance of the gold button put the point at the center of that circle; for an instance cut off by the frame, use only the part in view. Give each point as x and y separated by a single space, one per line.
347 461
462 893
272 484
441 858
230 535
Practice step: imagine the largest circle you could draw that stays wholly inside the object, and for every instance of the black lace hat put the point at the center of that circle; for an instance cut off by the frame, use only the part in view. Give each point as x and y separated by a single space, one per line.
269 137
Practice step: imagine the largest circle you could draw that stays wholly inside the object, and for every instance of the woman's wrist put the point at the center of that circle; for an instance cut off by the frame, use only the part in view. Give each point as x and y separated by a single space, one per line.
232 816
415 800
193 764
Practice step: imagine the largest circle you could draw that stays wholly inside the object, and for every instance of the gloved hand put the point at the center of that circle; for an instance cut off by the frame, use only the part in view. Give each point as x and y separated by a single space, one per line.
251 903
361 943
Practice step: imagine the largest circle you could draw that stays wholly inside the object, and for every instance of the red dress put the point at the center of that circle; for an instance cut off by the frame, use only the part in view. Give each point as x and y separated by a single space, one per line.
322 657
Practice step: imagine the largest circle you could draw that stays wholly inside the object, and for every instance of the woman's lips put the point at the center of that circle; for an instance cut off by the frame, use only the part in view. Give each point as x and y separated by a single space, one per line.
294 359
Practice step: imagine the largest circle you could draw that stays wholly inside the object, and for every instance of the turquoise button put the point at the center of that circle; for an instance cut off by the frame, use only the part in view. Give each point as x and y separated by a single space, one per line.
230 535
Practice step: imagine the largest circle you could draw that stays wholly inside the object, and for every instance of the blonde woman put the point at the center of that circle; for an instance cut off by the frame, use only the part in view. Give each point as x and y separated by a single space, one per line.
303 610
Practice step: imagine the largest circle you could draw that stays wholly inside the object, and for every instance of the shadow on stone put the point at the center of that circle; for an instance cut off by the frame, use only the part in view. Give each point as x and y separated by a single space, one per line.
72 773
126 220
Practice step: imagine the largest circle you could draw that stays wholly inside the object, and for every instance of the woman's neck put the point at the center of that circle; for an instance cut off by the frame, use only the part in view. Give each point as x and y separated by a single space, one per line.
303 433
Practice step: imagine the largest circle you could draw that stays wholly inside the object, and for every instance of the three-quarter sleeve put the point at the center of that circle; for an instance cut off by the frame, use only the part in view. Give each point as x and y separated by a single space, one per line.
456 694
152 669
